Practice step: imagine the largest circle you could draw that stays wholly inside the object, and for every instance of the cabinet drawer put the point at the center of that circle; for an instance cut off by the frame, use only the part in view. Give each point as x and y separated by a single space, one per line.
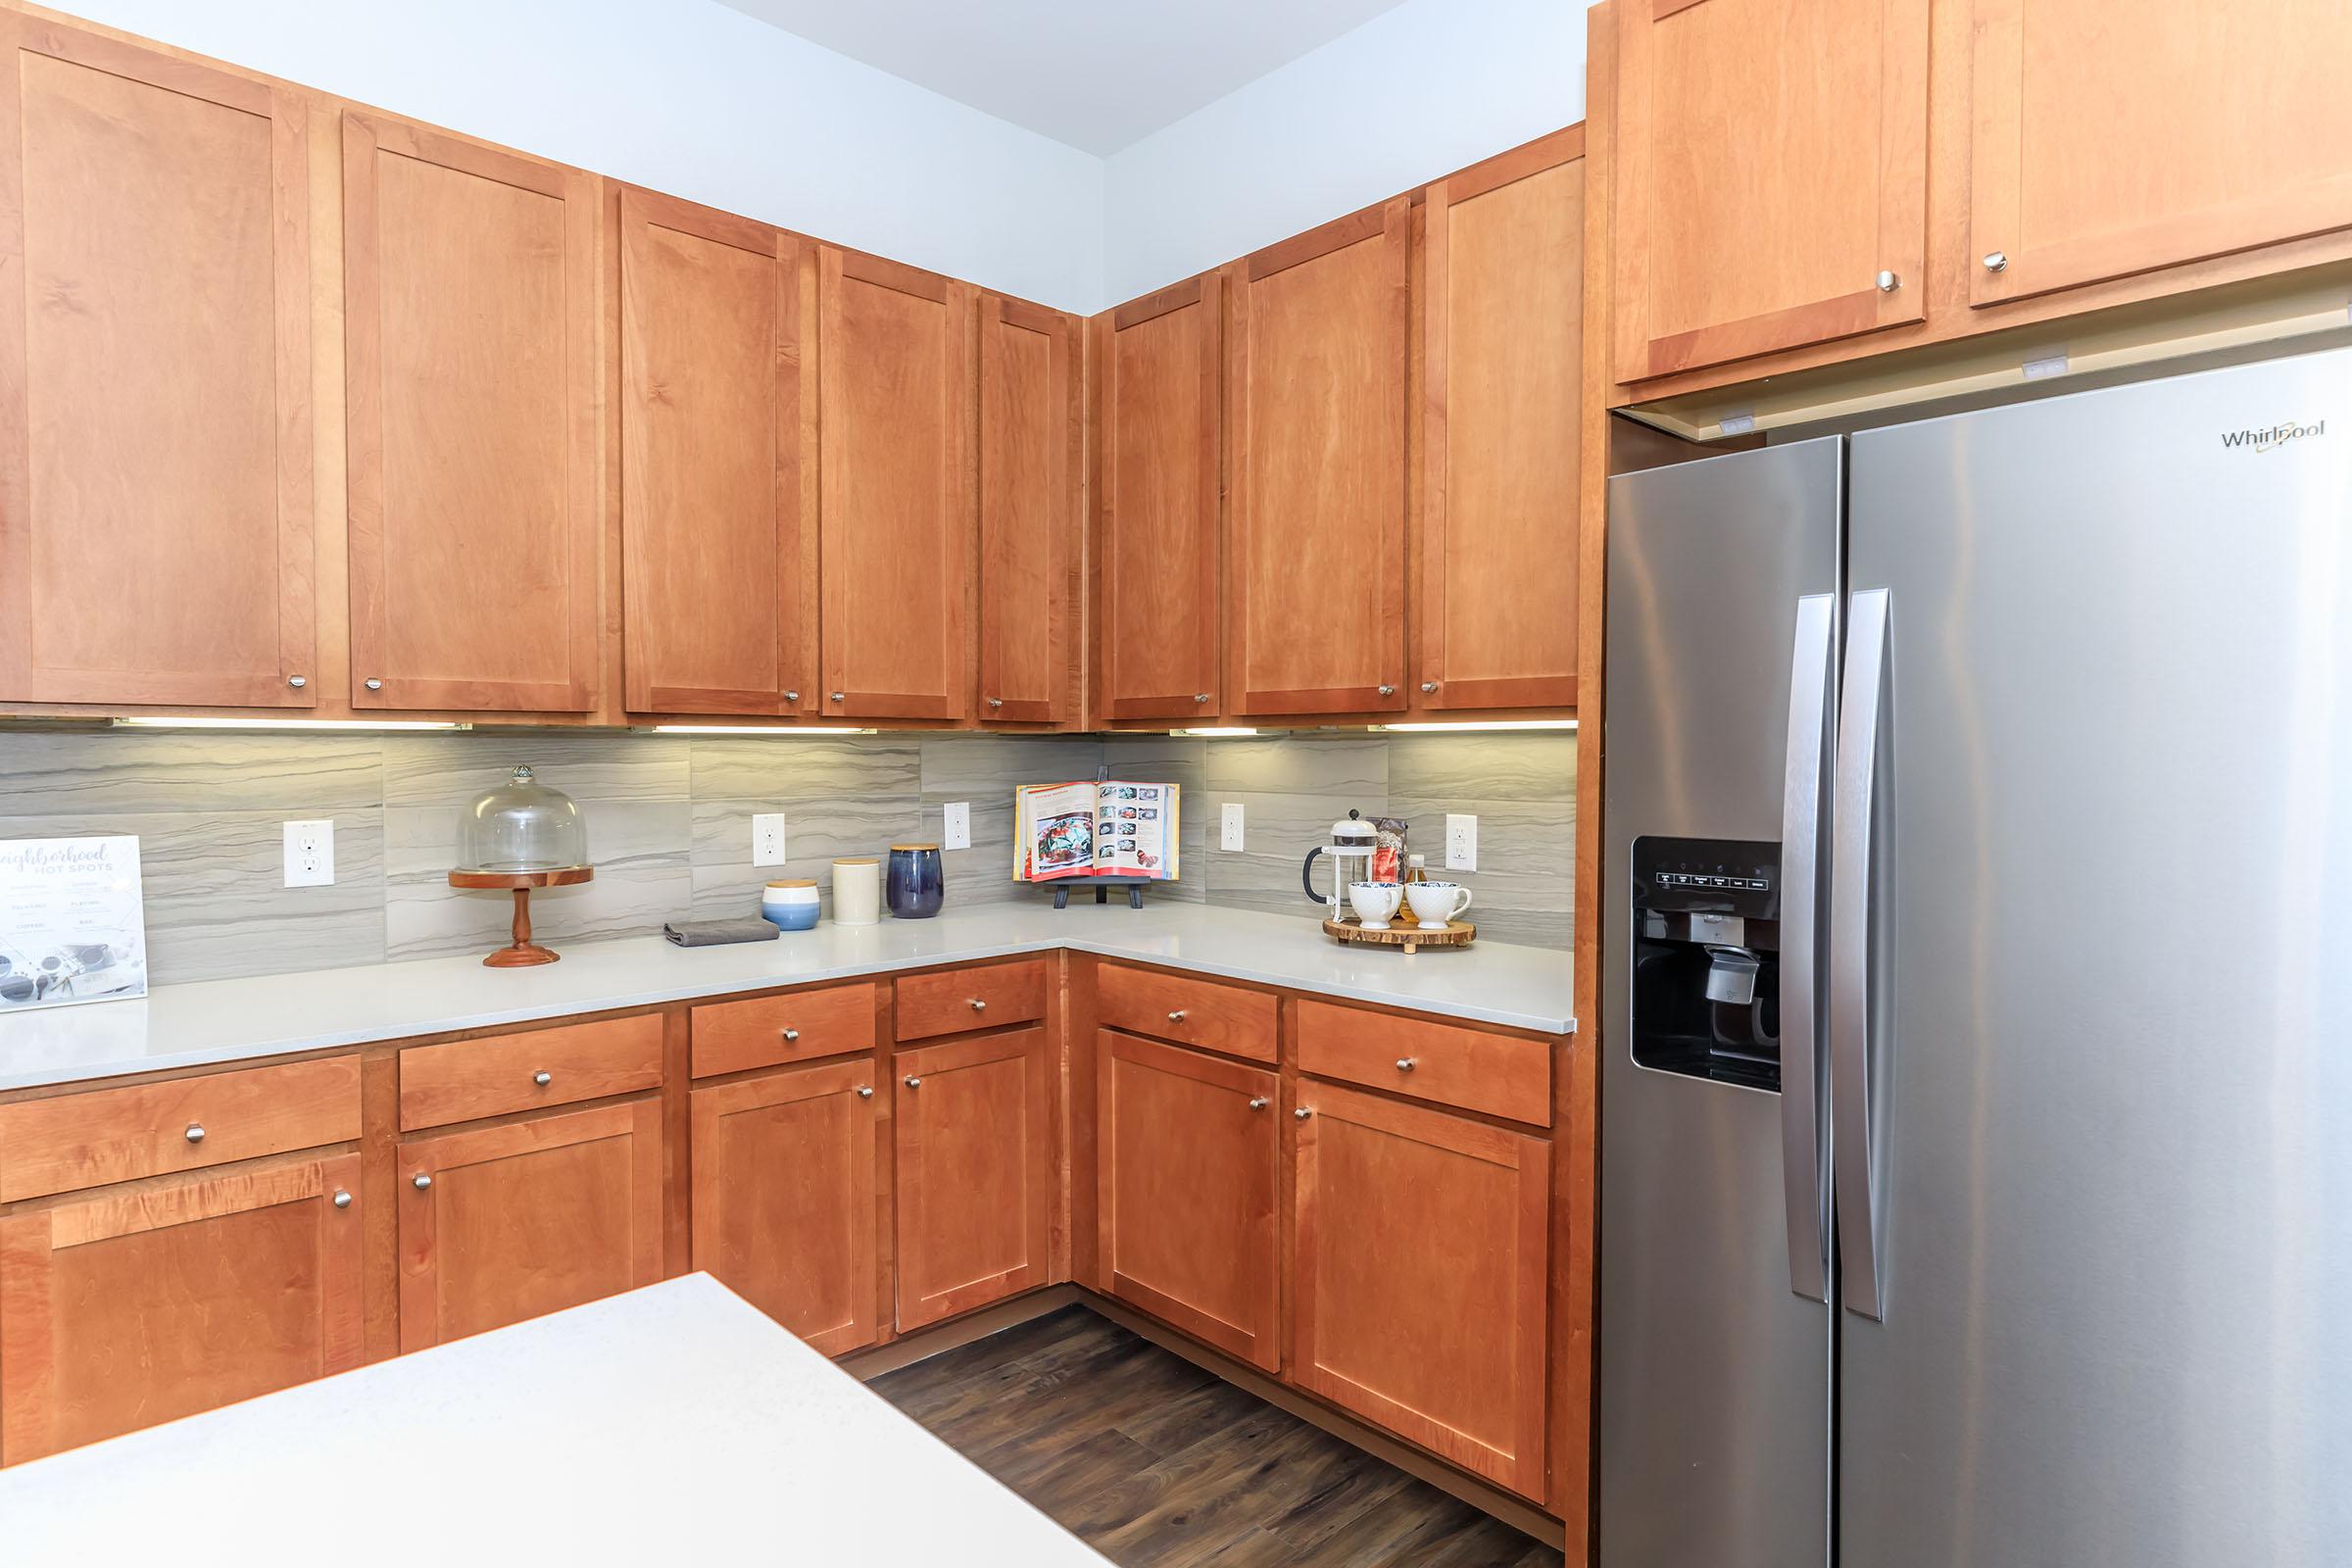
761 1031
1188 1011
1502 1075
117 1135
957 1001
467 1079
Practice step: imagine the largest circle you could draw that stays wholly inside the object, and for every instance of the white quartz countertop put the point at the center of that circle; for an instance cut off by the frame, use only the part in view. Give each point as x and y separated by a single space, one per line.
228 1021
672 1423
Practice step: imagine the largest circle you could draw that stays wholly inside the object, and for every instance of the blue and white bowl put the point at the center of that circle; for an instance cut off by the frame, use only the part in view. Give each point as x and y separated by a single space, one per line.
790 906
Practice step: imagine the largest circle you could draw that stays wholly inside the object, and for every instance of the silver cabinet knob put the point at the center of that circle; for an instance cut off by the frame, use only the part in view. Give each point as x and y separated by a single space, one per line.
865 1091
1303 1113
840 697
1200 697
978 1005
1888 282
1176 1017
543 1079
1387 691
914 1082
422 1181
996 702
790 1035
195 1132
1404 1065
1257 1102
1428 686
792 697
342 1199
1996 261
298 682
376 685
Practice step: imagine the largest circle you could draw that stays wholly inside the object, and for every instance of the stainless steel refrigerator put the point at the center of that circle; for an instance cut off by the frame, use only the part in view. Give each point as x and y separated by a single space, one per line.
1977 1089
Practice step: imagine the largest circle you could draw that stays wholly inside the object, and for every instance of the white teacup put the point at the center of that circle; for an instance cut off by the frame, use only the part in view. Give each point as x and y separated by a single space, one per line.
1375 903
1437 903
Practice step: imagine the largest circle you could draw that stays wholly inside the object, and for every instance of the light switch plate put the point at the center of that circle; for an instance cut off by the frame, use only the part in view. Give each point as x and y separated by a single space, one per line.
956 829
1461 842
1229 836
311 853
767 838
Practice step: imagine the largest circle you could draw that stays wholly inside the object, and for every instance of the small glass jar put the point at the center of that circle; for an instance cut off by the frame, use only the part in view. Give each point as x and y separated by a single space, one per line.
917 882
521 825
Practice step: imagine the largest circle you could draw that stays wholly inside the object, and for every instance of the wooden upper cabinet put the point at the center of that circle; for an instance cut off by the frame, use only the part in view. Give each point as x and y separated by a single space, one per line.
1503 335
128 1307
1030 439
784 1206
975 1171
1157 440
2107 139
1317 395
155 379
894 363
470 364
718 576
1771 168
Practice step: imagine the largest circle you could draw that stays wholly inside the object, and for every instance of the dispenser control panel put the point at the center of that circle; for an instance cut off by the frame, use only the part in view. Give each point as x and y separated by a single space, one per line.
1730 876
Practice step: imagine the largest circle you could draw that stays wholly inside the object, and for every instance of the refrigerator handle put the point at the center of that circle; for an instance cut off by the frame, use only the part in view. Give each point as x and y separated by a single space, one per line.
1861 1225
1804 1176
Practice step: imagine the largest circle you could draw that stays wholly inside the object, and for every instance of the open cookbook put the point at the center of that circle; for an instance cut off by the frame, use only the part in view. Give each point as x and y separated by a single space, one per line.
1106 828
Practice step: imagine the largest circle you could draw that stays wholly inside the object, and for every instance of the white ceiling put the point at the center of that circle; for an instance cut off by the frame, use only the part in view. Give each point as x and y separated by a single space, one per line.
1097 74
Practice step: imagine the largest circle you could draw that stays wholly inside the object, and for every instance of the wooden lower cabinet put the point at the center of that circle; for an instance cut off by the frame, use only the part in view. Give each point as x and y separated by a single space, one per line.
975 1172
1187 1151
516 1219
127 1307
1418 1285
784 1183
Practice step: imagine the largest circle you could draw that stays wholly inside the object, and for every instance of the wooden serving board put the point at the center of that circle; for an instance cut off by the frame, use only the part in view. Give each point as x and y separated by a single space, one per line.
1404 934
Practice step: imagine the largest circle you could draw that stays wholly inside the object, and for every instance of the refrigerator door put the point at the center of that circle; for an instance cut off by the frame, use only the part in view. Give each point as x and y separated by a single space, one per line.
2112 997
1714 1371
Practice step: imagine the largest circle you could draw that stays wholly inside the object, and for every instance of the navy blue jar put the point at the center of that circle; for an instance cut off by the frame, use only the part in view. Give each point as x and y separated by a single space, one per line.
917 882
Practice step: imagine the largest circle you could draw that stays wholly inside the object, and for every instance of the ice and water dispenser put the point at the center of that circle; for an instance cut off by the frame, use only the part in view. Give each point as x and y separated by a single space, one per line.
1706 996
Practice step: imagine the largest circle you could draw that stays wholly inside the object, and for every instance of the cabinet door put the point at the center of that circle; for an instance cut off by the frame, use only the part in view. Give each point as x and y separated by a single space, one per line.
1316 386
2110 139
975 1148
155 379
1418 1277
1187 1148
1029 444
1503 333
1158 372
470 364
502 1223
137 1305
718 581
1771 166
784 1197
895 377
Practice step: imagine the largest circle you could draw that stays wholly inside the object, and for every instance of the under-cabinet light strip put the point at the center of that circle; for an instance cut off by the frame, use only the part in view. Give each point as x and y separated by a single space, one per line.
218 722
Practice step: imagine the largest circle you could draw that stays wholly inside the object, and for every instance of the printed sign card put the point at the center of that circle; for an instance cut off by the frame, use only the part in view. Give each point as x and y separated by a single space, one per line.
71 928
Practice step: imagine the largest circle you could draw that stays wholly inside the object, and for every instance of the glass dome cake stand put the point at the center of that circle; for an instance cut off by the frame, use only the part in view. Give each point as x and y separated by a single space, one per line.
519 836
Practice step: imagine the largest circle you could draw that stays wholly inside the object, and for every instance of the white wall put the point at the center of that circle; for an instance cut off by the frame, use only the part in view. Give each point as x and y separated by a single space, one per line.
689 97
1410 95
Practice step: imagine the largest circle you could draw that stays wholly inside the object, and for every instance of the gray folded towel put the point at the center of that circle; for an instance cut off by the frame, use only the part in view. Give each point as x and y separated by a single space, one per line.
714 933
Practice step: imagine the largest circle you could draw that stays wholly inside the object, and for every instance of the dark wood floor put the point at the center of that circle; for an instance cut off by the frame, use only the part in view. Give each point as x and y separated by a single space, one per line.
1158 1464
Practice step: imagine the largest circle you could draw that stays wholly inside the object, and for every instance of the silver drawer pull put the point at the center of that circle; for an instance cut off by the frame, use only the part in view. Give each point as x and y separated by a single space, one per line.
342 1200
865 1091
790 1035
1257 1102
543 1079
978 1005
1176 1017
792 697
422 1181
914 1082
1303 1113
1404 1065
195 1132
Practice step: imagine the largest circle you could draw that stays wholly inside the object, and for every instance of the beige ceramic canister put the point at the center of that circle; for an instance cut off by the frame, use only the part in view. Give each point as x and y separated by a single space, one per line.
858 891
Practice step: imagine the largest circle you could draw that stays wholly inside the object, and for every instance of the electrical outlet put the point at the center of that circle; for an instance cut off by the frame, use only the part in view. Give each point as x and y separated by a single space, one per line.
1461 842
767 838
311 854
956 829
1230 834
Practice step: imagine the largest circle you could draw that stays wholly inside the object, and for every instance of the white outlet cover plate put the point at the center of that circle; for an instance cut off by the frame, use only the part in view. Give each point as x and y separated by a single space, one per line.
767 838
1461 842
1230 829
311 853
955 831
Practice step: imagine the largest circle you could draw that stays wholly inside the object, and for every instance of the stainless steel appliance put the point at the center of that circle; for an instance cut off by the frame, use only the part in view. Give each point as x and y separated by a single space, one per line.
2008 1222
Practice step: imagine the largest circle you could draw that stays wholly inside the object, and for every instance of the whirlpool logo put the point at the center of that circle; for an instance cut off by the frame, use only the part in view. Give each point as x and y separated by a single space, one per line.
2271 438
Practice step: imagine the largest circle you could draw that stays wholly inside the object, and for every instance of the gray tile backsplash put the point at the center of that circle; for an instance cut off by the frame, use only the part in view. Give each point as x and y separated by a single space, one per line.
669 824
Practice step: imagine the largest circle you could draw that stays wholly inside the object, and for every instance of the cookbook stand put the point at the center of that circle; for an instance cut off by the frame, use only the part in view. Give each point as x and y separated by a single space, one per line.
1102 885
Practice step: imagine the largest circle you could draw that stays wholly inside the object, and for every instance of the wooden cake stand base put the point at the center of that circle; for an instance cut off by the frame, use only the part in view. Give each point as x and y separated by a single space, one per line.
1404 934
523 951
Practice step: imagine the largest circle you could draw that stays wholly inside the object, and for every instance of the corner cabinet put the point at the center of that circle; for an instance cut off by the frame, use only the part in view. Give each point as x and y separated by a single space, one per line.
975 1172
470 364
718 543
1031 437
156 541
1159 487
894 377
1771 178
1315 376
